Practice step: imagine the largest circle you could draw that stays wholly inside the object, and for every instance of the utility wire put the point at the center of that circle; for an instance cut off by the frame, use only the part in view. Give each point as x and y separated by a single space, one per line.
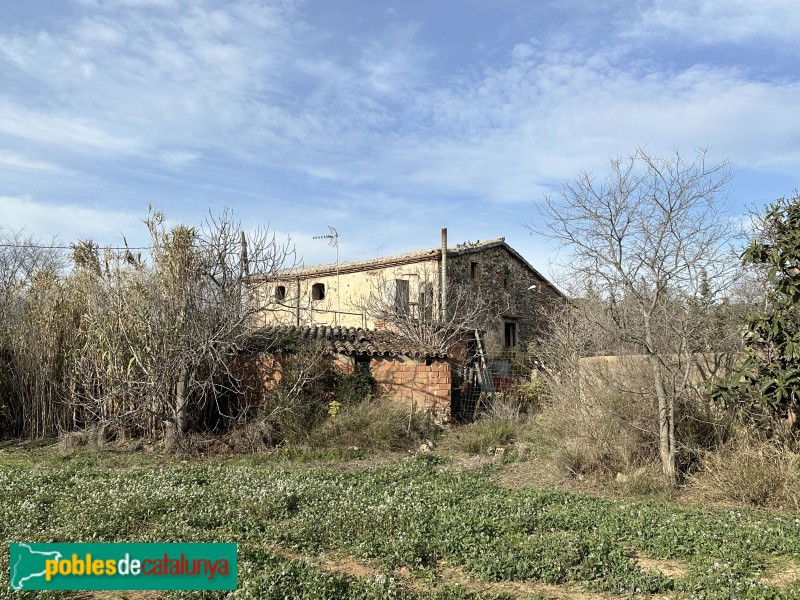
72 247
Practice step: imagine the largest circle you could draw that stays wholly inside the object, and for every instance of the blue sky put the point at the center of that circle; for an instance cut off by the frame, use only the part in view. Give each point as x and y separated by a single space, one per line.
386 120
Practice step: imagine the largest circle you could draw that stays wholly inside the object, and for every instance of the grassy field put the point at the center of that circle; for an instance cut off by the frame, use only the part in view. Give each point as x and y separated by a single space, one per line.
404 527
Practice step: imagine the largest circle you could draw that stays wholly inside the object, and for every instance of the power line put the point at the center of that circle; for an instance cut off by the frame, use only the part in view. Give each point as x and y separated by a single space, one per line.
73 247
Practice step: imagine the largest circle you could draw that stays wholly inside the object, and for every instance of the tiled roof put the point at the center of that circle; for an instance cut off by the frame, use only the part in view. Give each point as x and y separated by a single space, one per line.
428 254
413 256
349 340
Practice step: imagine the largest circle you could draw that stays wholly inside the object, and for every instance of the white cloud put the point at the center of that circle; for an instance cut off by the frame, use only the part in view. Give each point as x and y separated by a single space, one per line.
163 4
178 159
393 64
61 129
68 222
516 129
100 32
719 21
194 79
17 161
371 116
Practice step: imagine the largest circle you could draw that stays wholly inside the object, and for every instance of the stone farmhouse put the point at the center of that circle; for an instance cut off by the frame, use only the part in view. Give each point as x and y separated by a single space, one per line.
335 303
338 295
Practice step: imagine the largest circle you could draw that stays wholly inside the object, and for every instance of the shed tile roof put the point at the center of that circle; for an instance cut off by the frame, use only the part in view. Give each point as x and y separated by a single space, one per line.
351 340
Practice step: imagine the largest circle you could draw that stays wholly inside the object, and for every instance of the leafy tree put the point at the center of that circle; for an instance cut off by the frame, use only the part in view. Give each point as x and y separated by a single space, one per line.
770 375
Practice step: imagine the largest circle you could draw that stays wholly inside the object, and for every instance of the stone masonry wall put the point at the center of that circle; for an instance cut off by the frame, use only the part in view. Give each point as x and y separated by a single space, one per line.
503 279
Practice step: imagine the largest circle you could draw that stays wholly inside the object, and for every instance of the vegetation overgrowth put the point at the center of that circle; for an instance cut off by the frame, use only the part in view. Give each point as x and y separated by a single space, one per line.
408 522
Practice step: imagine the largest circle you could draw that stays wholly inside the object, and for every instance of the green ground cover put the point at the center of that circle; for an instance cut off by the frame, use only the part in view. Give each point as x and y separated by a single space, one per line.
409 522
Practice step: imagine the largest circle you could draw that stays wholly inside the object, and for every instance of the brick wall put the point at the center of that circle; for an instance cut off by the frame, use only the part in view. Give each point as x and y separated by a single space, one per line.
412 381
399 379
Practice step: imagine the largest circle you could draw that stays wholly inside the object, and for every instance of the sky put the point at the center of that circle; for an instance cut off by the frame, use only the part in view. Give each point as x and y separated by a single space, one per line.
385 120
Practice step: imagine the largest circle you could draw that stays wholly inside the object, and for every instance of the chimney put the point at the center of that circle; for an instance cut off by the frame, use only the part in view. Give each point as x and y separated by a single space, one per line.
443 304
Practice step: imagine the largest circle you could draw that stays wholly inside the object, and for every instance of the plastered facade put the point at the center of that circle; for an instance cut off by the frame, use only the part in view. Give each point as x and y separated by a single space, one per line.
493 269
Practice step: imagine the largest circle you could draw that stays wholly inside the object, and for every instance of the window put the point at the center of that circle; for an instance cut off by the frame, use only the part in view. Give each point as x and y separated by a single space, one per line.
473 270
510 337
280 293
425 300
318 291
397 295
362 363
506 277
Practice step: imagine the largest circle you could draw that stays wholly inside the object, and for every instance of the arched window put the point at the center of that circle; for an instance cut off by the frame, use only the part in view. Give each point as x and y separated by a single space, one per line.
280 293
318 291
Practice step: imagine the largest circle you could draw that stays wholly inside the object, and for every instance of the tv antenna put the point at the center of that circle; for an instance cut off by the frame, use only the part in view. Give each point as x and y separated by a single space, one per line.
333 237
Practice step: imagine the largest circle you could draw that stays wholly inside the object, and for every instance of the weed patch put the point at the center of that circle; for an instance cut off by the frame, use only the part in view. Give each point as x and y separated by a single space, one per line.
415 516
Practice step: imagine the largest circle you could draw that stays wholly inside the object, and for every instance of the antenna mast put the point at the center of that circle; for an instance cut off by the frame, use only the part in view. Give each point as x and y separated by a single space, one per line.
333 236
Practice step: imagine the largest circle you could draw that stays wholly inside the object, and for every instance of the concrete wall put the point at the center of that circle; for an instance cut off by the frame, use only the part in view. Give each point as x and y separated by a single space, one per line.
609 374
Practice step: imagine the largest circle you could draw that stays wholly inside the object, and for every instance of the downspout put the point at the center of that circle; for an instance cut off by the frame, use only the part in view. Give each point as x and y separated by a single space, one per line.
298 302
443 302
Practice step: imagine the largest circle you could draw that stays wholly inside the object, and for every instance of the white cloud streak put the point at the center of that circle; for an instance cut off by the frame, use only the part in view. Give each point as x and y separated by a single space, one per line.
262 84
68 222
719 21
17 161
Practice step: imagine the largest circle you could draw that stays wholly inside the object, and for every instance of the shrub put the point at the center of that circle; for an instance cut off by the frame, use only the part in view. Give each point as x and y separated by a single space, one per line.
485 433
602 418
517 402
595 427
763 473
373 425
307 386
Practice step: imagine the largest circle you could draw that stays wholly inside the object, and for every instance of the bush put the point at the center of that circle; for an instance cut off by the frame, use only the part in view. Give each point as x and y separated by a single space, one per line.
765 473
516 403
308 388
595 427
373 425
602 418
485 433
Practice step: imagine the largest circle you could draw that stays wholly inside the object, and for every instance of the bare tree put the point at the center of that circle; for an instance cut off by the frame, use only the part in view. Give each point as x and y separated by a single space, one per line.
162 335
651 236
423 320
417 314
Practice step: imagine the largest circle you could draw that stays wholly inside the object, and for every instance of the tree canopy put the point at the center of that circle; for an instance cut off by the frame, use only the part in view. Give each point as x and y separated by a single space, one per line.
770 374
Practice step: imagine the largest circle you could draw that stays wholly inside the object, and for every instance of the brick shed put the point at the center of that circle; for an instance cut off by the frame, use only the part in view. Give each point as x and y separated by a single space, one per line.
404 372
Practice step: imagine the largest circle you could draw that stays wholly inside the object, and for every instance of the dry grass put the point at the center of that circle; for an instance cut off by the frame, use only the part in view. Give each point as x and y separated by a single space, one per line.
373 425
674 569
751 472
782 574
485 434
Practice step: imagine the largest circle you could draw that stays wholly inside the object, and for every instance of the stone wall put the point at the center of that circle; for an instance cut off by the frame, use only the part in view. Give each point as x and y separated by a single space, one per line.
498 274
503 279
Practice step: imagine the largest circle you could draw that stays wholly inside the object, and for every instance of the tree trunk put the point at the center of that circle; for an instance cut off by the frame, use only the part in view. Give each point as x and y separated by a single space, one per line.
181 402
666 422
666 408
